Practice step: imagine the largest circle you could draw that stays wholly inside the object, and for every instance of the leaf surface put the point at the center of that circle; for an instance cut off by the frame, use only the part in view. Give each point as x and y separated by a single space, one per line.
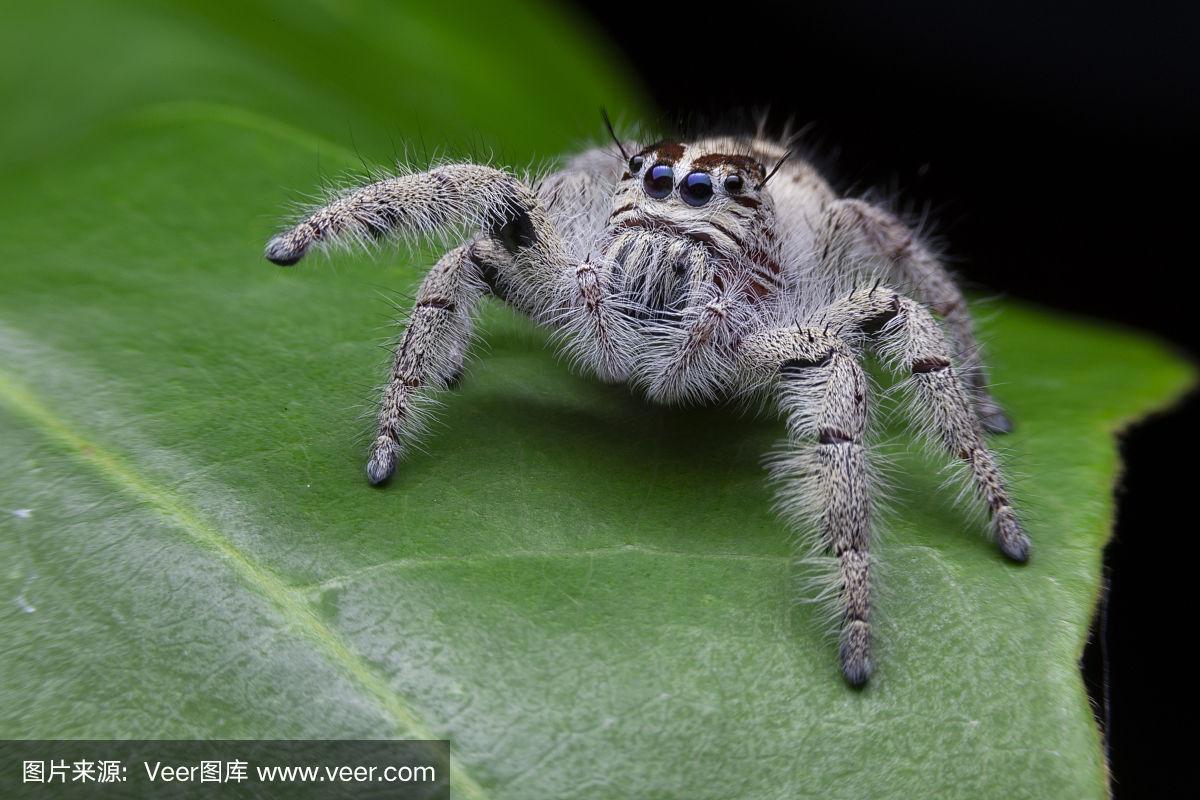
588 595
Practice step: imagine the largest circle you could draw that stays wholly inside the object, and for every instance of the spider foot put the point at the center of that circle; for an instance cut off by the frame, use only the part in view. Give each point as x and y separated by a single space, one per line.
286 249
383 461
1012 539
856 653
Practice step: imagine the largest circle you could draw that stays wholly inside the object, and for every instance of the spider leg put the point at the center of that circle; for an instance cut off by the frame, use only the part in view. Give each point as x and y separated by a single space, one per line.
884 238
592 318
914 345
419 204
557 279
521 257
430 352
428 357
824 474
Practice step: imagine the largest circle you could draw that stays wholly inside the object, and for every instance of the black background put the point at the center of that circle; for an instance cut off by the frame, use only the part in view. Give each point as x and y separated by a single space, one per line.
1053 148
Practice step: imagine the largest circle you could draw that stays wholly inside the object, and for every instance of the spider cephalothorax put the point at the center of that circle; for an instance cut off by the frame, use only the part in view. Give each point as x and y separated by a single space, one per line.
697 271
686 217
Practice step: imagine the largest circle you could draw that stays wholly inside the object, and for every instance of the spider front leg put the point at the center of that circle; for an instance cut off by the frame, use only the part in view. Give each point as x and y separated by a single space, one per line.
432 347
881 236
824 473
521 257
420 204
429 355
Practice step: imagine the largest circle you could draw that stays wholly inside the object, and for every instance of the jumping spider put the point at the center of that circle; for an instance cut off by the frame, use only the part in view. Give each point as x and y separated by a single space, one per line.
694 273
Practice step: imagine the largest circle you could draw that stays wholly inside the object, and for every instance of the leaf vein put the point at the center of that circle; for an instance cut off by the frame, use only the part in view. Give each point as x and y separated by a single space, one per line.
287 599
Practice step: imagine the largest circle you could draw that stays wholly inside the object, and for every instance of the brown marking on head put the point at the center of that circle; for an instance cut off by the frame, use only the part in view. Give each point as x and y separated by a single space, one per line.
742 163
667 151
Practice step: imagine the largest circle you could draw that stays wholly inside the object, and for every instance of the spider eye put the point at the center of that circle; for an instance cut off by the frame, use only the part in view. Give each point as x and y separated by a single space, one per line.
660 179
734 184
696 188
635 164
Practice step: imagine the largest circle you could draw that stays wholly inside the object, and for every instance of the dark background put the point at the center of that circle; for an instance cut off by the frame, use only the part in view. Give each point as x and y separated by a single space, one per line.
1053 148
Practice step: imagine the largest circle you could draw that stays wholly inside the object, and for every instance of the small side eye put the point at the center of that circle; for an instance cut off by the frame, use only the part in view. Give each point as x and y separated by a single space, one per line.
635 165
696 188
734 184
659 181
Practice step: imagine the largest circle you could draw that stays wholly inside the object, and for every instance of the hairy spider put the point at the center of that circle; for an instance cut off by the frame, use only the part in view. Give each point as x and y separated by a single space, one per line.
693 273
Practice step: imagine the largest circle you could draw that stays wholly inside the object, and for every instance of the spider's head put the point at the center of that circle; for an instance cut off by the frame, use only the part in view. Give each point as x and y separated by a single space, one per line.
711 175
682 213
713 191
678 205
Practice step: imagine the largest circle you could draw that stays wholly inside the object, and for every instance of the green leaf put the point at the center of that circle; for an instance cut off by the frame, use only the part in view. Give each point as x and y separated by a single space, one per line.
588 595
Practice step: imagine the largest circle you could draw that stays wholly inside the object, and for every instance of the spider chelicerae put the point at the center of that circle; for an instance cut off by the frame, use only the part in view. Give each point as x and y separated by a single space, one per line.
698 271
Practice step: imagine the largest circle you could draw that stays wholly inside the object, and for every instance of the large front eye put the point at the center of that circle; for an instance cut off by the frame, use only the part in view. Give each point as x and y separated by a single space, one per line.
696 188
660 179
